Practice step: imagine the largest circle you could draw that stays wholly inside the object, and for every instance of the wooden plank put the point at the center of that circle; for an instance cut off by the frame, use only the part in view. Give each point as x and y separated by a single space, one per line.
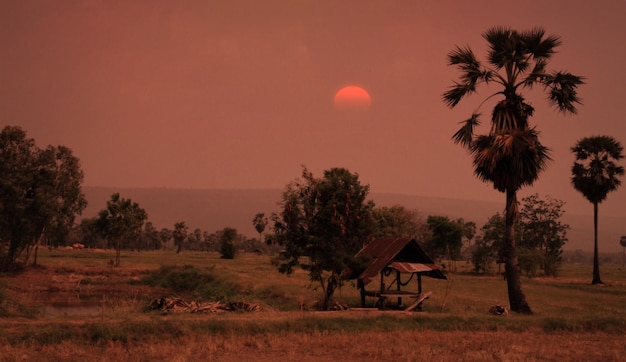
418 301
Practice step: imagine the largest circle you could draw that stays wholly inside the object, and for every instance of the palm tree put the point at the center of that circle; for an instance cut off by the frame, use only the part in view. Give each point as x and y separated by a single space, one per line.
595 174
510 156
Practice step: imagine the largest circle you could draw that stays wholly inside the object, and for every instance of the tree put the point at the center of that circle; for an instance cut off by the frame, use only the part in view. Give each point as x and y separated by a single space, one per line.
228 238
595 174
543 232
510 155
322 224
469 231
40 194
446 237
397 221
179 235
166 236
260 222
121 222
488 247
151 237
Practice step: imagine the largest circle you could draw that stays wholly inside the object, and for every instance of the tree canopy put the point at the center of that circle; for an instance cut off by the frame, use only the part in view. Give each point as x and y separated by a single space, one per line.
121 221
322 224
40 194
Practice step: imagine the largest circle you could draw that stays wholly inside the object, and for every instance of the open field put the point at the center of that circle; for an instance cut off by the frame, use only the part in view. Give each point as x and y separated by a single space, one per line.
75 307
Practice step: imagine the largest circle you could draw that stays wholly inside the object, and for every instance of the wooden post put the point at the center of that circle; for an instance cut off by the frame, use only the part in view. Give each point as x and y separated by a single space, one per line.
398 287
419 283
419 289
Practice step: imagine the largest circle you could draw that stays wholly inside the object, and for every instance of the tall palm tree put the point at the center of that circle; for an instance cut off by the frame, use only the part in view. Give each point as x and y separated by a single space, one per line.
510 156
595 174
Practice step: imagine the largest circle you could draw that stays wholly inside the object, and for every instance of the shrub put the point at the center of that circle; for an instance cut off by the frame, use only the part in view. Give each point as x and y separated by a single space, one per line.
189 279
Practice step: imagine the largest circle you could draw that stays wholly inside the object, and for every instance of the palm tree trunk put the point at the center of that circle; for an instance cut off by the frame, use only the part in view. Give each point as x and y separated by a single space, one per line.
517 299
596 263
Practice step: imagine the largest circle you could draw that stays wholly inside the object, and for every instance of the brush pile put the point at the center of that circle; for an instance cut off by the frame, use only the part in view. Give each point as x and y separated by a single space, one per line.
179 305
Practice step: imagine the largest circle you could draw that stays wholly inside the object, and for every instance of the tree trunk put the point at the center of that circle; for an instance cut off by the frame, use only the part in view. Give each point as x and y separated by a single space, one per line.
596 263
517 299
118 252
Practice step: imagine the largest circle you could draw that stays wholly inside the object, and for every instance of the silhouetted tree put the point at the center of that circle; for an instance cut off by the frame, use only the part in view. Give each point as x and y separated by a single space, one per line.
40 194
322 224
543 232
179 235
397 221
595 174
228 239
510 155
121 222
260 222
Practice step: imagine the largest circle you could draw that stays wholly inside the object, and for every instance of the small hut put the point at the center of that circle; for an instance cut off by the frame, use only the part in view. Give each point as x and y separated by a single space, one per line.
393 257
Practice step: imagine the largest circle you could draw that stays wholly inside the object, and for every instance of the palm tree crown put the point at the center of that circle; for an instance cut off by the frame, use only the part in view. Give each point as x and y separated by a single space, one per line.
511 155
595 173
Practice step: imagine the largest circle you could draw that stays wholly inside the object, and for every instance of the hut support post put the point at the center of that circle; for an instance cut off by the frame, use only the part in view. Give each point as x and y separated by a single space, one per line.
419 289
398 287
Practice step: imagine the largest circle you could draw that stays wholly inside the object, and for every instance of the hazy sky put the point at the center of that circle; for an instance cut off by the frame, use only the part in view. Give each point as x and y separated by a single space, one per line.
239 94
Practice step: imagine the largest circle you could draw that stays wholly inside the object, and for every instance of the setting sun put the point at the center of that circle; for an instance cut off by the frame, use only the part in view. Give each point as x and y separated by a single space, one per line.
352 98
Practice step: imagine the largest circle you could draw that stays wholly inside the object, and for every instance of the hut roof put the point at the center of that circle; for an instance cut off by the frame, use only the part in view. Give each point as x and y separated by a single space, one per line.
402 254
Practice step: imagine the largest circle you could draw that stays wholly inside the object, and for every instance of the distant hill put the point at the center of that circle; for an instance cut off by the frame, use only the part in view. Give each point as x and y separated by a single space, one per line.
214 209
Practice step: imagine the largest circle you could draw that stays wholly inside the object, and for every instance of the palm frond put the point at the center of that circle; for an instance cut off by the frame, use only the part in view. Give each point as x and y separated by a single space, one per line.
453 96
563 90
539 47
465 134
462 56
500 45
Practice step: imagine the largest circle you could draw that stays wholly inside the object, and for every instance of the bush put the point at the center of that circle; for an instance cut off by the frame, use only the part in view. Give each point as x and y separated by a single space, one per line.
528 261
191 280
227 243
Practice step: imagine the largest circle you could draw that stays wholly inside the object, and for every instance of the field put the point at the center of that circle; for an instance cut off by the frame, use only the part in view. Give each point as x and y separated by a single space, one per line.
74 306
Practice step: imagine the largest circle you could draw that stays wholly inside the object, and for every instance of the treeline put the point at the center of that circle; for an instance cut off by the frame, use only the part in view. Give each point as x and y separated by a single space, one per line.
41 197
86 234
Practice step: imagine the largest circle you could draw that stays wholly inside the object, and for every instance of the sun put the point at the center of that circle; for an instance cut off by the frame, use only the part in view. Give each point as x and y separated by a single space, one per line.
352 98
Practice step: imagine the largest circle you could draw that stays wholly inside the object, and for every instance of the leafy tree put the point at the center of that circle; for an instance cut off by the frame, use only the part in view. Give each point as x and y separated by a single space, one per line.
151 237
179 235
446 237
89 233
228 238
397 221
488 247
121 222
538 231
166 235
595 174
260 222
40 194
510 156
469 231
322 224
543 231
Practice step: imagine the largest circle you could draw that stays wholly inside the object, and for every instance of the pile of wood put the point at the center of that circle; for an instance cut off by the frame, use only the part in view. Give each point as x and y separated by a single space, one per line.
179 305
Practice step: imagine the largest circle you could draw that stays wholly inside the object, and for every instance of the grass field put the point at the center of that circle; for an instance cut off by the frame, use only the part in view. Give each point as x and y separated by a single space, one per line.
74 306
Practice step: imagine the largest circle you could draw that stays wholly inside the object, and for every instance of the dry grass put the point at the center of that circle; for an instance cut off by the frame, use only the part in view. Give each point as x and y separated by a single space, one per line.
573 320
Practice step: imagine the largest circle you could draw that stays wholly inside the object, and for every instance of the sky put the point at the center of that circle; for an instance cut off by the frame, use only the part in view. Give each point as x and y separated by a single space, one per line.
239 94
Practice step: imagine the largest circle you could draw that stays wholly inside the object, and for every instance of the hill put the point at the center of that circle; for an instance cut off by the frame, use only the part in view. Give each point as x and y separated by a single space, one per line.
213 209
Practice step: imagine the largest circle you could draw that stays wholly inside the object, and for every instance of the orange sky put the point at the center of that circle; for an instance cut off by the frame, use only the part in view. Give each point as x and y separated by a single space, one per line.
239 94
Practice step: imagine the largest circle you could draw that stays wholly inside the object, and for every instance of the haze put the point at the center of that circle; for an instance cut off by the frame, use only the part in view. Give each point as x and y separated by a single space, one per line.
239 94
